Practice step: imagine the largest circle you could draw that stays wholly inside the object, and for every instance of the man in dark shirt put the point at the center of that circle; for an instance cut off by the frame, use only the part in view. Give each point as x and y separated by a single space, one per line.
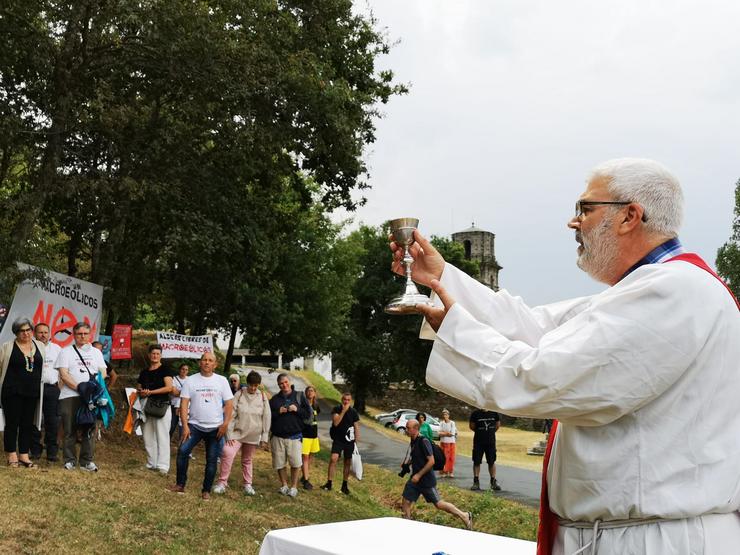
422 480
344 432
484 423
289 412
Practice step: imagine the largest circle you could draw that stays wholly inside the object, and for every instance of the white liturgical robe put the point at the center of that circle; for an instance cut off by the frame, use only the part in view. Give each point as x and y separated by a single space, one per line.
645 380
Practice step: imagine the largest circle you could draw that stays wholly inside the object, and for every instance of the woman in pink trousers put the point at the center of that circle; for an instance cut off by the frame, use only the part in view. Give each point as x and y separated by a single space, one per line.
248 429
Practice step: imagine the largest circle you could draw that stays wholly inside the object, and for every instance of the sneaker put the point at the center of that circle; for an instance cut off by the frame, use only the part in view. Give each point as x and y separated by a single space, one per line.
249 490
307 485
345 489
284 490
326 486
475 486
219 489
495 486
293 492
90 467
205 496
470 521
150 466
176 488
69 465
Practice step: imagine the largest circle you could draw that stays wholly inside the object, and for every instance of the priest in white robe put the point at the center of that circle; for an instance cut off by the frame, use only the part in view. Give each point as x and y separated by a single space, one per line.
644 377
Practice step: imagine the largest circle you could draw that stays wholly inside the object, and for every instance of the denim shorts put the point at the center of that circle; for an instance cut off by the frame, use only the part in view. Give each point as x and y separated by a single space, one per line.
412 491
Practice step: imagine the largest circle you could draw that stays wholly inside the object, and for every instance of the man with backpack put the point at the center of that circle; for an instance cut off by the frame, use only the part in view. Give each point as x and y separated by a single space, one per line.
77 364
422 480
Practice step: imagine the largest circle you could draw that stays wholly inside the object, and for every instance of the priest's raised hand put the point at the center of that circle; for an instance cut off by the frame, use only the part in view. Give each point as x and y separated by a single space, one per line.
428 263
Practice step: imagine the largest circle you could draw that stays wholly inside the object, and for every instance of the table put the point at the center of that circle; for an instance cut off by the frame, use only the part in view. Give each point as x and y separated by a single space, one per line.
389 535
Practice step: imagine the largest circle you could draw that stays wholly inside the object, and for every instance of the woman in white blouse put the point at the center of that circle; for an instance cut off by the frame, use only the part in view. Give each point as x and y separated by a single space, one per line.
448 439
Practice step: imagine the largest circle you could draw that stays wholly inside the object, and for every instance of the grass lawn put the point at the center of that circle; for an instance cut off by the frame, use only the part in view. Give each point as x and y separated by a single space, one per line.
127 509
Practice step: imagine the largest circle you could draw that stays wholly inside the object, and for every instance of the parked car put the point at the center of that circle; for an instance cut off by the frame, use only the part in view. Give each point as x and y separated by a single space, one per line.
387 418
400 423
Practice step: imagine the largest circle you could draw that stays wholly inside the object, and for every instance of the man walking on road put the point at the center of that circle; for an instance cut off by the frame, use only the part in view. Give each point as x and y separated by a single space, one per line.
485 424
422 480
344 432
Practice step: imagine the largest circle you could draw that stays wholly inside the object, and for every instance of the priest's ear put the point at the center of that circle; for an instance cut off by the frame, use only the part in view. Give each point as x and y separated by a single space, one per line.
632 216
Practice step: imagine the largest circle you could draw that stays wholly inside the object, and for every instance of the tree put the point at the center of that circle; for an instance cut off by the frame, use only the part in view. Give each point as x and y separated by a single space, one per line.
376 348
173 151
728 255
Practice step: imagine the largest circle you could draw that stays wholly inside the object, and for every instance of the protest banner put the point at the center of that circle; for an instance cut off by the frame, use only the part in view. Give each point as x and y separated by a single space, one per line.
175 345
121 342
57 300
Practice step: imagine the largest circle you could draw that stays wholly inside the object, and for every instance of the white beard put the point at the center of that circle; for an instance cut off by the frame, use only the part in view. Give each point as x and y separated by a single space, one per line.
598 253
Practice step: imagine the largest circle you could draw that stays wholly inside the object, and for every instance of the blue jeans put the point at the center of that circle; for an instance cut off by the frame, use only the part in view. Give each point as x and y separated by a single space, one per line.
213 451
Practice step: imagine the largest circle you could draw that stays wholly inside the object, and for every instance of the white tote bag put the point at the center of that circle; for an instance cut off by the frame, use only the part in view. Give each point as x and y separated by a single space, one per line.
356 463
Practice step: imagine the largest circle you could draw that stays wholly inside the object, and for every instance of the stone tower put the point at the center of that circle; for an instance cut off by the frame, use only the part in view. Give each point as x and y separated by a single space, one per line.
479 245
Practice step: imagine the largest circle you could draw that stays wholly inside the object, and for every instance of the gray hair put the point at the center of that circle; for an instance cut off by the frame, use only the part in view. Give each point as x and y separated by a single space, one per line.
650 185
19 323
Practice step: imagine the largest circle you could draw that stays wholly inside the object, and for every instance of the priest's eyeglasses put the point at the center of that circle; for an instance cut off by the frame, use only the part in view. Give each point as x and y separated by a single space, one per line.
580 204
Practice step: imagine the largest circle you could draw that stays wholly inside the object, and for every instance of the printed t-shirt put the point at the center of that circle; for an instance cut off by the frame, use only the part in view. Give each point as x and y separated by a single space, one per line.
421 449
485 426
207 397
312 430
177 382
50 374
69 359
345 431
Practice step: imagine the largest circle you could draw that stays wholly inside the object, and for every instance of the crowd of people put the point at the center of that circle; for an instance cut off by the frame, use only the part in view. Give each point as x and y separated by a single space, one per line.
40 393
40 382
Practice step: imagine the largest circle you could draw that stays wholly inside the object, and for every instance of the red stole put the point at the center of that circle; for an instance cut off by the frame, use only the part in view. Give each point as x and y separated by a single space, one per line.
548 525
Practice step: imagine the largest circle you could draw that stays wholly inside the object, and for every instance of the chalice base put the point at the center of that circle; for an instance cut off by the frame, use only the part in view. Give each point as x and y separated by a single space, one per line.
406 304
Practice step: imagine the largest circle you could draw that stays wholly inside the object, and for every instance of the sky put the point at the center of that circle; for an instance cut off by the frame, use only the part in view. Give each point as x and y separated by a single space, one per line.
511 103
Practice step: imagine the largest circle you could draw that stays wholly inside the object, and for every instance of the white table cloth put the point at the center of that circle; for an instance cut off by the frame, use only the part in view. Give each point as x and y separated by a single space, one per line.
388 536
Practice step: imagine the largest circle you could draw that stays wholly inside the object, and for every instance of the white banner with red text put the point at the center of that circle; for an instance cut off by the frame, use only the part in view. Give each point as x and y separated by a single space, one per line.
58 300
175 345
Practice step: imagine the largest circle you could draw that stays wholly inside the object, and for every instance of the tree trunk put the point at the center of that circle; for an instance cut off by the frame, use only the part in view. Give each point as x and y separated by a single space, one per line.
230 350
359 395
72 250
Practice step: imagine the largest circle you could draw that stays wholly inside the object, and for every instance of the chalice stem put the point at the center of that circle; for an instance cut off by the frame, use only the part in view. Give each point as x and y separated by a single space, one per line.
408 261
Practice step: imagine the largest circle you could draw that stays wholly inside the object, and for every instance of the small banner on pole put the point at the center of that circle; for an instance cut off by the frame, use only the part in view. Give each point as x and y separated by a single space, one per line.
175 345
121 342
105 342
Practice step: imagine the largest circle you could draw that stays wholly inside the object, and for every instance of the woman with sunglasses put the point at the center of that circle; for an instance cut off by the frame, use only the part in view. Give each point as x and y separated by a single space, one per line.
21 362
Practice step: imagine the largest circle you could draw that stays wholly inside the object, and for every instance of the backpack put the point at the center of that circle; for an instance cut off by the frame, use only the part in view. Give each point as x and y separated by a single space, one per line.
439 456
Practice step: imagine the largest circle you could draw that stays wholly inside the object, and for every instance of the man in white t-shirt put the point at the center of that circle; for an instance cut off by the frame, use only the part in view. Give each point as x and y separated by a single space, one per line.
206 403
75 364
50 377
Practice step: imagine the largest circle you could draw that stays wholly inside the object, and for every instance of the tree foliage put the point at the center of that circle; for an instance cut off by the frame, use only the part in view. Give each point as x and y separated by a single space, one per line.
376 348
185 154
728 255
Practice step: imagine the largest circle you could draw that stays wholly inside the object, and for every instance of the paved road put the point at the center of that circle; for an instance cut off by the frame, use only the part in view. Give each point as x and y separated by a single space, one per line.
376 448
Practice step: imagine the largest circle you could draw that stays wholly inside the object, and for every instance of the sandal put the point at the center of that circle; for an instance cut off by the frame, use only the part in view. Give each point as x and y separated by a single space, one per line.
470 521
27 464
13 464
